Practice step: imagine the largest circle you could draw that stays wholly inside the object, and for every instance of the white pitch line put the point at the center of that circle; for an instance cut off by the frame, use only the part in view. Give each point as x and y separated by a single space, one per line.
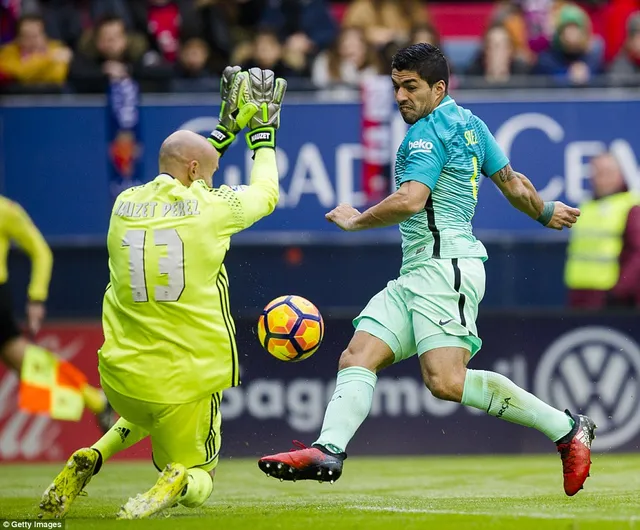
530 515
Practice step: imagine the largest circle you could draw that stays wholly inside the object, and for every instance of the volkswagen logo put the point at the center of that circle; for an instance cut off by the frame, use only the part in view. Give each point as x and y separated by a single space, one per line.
595 371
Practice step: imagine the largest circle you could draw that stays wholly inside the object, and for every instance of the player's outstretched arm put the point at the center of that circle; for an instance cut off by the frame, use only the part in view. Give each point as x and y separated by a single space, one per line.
259 199
408 200
522 195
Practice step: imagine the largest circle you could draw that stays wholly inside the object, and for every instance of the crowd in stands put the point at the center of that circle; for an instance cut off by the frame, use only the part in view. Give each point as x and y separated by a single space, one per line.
182 45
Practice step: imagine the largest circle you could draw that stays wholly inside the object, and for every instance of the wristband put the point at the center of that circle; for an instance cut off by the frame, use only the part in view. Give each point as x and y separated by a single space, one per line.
547 213
261 137
221 138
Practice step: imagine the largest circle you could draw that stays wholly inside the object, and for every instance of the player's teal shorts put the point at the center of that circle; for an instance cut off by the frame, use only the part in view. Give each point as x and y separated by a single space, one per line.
188 433
433 306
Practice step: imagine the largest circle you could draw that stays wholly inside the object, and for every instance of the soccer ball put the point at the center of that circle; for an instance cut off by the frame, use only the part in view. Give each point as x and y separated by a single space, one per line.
290 328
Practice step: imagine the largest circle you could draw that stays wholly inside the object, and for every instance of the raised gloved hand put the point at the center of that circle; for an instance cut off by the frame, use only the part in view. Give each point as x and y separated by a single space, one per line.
266 92
235 110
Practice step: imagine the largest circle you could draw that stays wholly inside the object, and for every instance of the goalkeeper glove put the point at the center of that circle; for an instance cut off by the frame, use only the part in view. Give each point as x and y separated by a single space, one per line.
235 111
266 93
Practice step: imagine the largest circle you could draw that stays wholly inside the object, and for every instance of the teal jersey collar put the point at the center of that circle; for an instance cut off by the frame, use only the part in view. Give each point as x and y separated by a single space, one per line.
448 100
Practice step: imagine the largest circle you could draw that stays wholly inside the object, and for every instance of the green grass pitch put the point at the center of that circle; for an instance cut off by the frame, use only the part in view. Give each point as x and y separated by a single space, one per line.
443 493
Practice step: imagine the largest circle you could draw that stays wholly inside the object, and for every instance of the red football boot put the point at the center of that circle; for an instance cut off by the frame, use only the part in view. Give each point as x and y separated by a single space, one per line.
304 463
575 452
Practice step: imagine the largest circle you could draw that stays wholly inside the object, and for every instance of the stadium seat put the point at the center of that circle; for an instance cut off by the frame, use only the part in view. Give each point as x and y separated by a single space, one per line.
460 51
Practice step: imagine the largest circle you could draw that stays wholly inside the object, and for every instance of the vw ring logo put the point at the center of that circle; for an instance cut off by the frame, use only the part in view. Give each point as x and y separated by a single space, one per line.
596 371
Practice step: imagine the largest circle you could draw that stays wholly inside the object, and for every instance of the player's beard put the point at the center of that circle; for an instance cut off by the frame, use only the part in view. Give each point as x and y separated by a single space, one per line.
409 116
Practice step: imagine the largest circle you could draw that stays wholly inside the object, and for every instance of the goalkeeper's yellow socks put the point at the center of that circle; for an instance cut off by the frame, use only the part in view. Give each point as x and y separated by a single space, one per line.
348 407
198 489
502 398
94 399
121 436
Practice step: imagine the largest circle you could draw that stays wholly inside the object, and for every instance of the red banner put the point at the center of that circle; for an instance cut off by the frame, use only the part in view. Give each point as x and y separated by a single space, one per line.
377 111
24 437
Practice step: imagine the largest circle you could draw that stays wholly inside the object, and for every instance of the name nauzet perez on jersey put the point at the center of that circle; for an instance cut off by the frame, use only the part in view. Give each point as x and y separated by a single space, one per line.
148 209
420 146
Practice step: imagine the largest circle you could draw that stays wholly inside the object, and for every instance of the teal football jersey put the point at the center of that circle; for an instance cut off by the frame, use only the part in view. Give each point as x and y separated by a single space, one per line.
446 151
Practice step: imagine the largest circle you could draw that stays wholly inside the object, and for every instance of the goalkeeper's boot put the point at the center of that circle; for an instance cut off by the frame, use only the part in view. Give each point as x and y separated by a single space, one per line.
165 494
304 463
57 498
575 452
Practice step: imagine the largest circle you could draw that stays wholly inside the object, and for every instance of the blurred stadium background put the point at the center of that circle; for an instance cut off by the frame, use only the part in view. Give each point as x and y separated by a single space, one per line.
113 78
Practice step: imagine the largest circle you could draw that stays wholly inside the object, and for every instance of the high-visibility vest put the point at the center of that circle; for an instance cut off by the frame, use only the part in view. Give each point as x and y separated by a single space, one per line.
593 256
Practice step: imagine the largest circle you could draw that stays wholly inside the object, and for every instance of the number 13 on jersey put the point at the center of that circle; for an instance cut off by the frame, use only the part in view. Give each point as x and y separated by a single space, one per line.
170 266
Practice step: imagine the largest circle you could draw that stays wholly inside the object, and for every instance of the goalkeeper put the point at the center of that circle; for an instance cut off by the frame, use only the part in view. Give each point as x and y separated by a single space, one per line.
169 348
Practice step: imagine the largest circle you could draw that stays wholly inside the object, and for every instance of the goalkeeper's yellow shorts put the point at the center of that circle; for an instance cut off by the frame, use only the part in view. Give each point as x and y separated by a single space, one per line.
188 433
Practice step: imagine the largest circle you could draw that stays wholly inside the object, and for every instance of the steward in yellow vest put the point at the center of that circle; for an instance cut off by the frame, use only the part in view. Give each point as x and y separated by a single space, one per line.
603 257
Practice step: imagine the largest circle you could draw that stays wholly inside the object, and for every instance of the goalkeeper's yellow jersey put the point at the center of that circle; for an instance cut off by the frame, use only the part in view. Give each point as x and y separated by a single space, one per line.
169 334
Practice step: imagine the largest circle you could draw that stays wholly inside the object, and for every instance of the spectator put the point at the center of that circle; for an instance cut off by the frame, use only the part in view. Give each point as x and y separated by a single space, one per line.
9 12
568 59
215 22
110 53
628 60
305 26
496 62
62 20
424 33
192 69
540 17
160 20
241 21
603 257
616 15
66 19
385 21
531 25
510 15
100 9
167 22
267 53
347 62
33 59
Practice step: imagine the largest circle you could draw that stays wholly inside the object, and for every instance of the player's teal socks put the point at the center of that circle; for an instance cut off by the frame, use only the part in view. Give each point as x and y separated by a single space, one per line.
121 436
348 407
199 488
500 397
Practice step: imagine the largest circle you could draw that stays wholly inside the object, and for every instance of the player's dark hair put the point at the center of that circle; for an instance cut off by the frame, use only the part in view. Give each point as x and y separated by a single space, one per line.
425 59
